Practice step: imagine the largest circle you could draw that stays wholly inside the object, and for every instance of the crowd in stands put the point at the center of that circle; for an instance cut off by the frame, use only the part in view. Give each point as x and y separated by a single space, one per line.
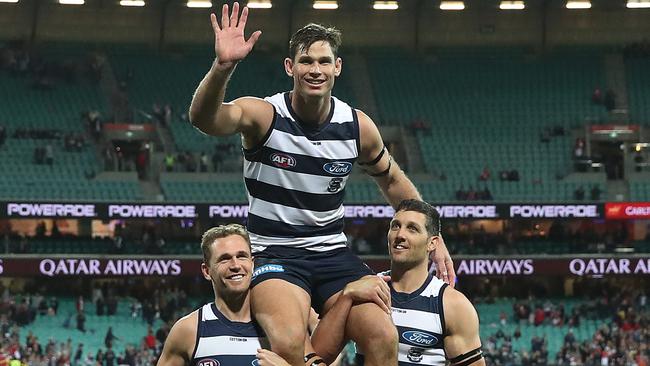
160 304
622 338
44 73
594 193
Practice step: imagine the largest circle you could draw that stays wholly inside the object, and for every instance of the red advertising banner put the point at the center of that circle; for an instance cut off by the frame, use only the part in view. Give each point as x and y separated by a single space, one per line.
627 210
170 266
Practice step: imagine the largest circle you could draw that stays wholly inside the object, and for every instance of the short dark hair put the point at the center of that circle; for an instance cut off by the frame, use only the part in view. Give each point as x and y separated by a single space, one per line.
218 232
432 223
312 33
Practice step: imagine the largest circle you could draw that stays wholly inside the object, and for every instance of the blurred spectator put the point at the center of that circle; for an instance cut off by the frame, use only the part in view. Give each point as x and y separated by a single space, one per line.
595 193
203 161
485 174
597 96
169 162
579 194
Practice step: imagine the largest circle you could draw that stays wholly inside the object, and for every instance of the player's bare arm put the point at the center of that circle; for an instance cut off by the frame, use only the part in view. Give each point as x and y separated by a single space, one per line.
180 342
378 163
395 185
208 112
328 338
462 344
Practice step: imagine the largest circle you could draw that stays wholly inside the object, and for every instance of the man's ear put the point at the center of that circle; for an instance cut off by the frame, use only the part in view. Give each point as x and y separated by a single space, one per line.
338 64
205 272
433 243
288 66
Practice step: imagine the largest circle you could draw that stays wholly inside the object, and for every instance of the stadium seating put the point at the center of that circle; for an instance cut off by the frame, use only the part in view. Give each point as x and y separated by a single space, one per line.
489 108
638 78
62 327
59 109
490 324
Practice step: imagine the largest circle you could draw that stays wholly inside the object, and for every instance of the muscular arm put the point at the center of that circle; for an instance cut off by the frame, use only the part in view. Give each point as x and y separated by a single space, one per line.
328 338
462 325
392 181
180 342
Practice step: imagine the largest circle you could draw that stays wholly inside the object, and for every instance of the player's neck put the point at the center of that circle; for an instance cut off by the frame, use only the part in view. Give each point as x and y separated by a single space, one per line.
408 279
235 308
313 111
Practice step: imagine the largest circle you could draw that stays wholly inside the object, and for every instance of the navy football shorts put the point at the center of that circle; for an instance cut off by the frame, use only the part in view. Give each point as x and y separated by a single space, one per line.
321 274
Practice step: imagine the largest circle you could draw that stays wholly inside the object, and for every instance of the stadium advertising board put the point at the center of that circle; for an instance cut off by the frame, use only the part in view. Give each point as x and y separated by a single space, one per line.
627 210
119 210
170 266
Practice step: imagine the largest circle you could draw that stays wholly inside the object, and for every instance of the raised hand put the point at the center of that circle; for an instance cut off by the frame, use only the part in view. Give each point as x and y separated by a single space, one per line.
370 289
443 264
230 46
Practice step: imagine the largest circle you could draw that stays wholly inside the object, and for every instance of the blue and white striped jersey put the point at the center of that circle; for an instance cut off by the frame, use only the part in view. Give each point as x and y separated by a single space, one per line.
420 323
296 178
220 341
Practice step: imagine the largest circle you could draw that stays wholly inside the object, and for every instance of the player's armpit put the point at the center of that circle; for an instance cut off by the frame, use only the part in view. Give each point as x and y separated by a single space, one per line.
180 343
462 343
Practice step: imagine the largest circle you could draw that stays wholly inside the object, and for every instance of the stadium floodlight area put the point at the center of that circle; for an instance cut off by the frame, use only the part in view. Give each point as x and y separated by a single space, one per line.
9 1
452 5
638 4
260 4
326 4
385 5
512 5
578 4
199 4
72 2
132 2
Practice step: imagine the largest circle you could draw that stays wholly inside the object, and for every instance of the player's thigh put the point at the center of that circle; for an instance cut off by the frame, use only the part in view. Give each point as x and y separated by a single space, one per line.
281 308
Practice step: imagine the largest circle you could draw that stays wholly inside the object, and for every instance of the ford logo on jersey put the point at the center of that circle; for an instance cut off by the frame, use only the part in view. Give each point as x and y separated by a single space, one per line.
338 167
283 160
417 338
208 362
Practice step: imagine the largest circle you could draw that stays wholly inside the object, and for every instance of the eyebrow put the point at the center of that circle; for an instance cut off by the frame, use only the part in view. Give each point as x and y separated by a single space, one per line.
309 58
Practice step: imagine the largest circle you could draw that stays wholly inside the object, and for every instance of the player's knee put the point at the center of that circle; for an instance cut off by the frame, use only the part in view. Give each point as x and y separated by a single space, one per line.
381 338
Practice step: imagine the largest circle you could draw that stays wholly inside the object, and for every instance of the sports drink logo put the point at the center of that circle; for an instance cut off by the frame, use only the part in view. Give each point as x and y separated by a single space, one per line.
418 338
208 362
283 160
338 167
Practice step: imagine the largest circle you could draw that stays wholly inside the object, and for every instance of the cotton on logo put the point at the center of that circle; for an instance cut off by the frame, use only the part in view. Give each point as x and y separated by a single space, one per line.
208 362
283 160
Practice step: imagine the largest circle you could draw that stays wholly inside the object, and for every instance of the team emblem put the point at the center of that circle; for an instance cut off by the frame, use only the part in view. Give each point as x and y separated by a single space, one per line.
415 354
208 362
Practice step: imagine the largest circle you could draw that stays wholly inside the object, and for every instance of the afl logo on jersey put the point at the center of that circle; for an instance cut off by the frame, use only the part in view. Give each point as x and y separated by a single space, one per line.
338 167
421 339
283 160
255 362
208 362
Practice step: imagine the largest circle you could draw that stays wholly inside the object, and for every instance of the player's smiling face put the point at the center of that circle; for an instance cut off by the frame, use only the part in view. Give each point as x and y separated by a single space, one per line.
230 265
314 70
408 239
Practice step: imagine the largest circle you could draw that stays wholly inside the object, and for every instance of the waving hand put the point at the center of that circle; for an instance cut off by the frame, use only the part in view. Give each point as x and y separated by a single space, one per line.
230 46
